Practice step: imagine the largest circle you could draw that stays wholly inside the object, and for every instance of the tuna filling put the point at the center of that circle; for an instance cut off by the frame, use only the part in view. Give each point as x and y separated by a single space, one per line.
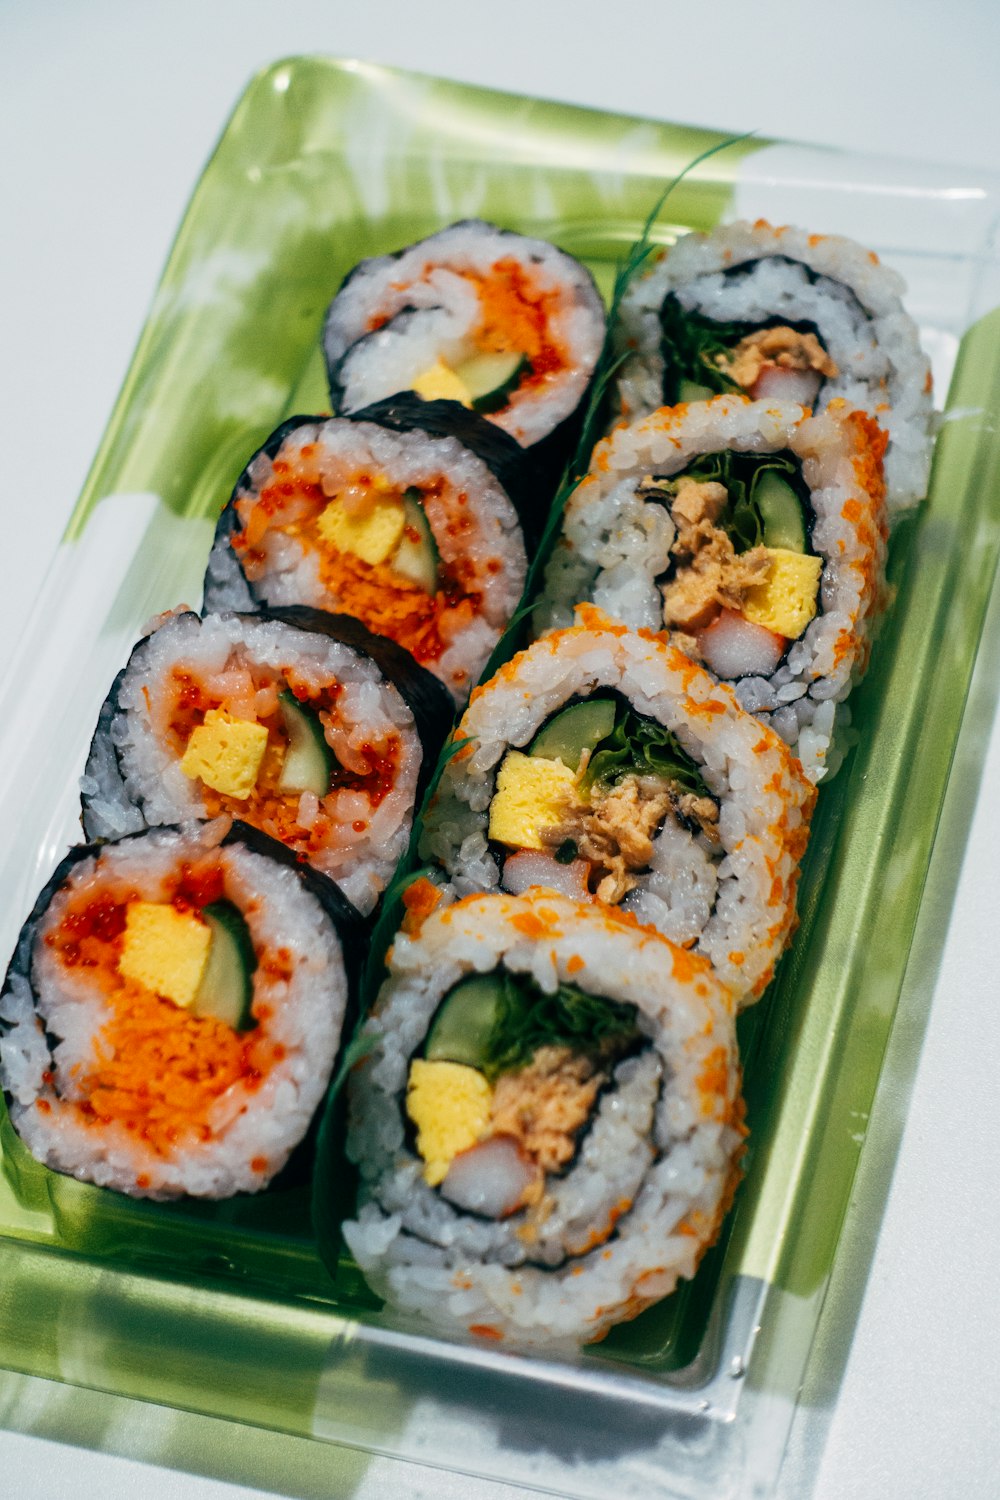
703 358
590 795
743 582
508 1083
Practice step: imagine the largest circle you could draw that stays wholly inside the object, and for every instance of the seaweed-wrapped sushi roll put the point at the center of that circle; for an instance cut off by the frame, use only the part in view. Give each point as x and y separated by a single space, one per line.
549 1124
755 534
170 1018
505 325
409 533
300 723
604 764
777 314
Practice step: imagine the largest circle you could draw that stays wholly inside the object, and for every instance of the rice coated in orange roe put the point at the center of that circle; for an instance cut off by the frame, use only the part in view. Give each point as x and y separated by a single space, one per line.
419 899
869 462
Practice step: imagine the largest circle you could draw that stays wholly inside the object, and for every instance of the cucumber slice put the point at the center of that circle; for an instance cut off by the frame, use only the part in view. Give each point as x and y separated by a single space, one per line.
780 511
490 378
417 559
462 1027
579 727
309 761
690 390
226 988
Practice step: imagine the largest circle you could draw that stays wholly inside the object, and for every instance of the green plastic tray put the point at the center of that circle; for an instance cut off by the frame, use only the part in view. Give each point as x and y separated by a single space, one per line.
226 1309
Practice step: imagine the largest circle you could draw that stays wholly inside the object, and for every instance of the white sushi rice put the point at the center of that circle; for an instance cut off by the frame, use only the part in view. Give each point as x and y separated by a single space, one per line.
746 272
614 548
658 1163
735 901
429 309
472 518
133 777
46 1006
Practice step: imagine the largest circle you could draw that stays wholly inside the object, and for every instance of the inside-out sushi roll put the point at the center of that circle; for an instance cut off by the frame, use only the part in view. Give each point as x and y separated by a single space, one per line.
508 326
301 723
548 1125
604 764
751 531
408 533
778 314
170 1018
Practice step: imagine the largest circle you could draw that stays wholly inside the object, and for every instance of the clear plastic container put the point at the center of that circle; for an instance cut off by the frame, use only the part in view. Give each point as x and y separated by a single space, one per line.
226 1308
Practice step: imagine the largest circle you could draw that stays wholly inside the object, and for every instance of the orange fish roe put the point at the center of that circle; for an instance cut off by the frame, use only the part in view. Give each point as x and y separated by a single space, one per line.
617 916
736 1117
868 463
713 1079
382 599
530 925
89 929
686 964
419 899
189 700
601 1232
156 1069
276 813
517 315
590 617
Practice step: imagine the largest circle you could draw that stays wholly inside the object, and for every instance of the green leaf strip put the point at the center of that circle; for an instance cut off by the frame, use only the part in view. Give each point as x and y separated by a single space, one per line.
528 1018
740 474
642 747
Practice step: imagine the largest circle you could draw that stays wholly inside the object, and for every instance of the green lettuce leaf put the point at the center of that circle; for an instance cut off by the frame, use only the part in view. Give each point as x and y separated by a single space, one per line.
641 747
528 1018
689 343
740 474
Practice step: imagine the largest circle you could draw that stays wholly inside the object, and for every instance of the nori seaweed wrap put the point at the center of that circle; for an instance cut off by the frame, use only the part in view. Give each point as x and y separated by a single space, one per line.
775 313
299 722
548 1124
410 533
507 326
173 1009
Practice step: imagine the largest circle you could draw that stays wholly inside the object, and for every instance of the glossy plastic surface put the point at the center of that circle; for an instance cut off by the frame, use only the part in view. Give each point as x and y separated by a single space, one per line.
226 1308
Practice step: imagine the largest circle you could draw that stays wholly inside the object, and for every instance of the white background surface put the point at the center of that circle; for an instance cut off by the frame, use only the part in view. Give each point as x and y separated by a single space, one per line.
108 110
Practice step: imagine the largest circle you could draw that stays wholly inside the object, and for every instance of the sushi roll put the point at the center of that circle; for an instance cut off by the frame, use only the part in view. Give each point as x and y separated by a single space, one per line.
778 314
604 764
409 533
301 723
509 327
170 1019
751 531
549 1125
